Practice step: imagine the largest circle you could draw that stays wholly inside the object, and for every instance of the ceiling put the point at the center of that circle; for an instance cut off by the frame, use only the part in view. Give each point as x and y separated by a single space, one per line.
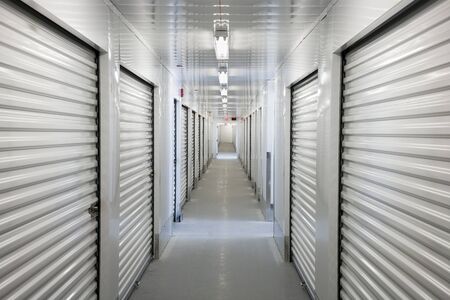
262 33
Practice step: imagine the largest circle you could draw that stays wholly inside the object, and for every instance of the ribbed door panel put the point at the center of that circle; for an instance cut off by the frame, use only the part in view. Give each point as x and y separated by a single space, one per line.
136 179
184 153
200 120
192 152
48 161
395 209
203 144
303 177
197 147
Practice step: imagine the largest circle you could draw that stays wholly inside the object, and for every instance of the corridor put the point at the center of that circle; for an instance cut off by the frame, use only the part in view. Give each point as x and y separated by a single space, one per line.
223 249
224 149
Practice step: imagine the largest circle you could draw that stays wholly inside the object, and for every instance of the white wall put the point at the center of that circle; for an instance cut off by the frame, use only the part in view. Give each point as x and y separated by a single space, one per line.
234 135
226 133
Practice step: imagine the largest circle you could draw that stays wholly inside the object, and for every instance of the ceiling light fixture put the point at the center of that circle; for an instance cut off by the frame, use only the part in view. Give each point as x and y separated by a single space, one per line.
223 77
224 99
223 92
223 73
224 105
221 39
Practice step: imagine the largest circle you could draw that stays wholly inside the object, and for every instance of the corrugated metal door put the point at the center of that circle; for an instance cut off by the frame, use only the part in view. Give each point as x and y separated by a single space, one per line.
196 145
176 208
48 161
250 147
136 179
197 148
303 178
254 146
395 216
204 144
184 154
192 152
201 155
245 143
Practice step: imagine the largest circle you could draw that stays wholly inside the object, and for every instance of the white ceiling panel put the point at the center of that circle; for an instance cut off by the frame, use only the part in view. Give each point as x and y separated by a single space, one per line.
261 35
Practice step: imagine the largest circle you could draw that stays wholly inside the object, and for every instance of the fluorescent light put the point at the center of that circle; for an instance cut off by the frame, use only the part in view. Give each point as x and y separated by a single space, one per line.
223 92
223 77
224 99
221 39
221 47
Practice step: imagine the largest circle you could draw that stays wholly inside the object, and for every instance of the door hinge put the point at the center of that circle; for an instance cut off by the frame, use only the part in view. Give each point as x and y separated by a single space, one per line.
93 211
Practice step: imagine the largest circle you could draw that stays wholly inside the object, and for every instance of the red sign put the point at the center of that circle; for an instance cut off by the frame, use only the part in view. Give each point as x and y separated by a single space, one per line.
181 92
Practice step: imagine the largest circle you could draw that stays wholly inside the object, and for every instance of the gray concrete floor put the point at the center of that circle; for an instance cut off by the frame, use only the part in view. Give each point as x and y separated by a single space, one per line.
226 148
223 249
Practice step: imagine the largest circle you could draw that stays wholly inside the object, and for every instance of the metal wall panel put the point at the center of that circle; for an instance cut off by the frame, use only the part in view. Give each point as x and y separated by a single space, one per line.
48 160
303 177
395 193
136 180
184 154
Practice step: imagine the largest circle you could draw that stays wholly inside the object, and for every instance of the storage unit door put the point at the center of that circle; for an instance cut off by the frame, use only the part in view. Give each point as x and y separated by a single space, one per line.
184 154
246 143
176 212
303 178
201 145
250 147
48 161
197 147
192 152
254 146
136 180
395 215
204 143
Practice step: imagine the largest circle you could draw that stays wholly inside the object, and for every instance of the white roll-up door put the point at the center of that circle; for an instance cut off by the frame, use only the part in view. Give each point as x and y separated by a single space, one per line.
184 154
250 146
395 197
48 161
246 144
208 141
204 144
174 129
254 146
192 151
197 146
136 179
201 135
303 177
